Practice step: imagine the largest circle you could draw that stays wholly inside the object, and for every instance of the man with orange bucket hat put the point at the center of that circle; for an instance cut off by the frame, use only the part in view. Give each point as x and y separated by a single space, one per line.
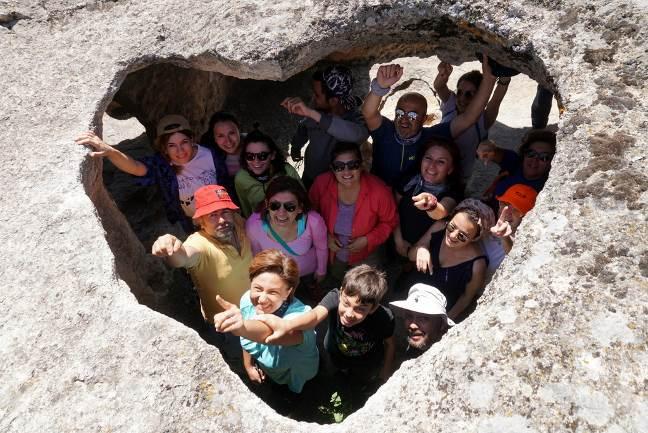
516 202
217 256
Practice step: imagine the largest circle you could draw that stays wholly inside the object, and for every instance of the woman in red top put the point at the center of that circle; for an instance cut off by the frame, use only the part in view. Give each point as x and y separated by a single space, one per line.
358 208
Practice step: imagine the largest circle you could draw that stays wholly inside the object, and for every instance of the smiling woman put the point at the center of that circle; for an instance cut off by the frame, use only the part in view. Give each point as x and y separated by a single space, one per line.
291 360
262 161
449 257
287 223
358 209
179 167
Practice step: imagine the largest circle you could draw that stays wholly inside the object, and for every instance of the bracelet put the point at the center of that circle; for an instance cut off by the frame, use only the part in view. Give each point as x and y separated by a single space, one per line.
376 89
502 83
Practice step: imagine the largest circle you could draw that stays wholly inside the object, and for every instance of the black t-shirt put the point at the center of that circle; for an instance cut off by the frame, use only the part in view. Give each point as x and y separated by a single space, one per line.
414 222
361 340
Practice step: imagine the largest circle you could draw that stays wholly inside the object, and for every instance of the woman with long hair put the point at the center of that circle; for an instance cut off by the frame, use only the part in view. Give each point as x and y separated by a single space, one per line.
261 161
436 184
223 136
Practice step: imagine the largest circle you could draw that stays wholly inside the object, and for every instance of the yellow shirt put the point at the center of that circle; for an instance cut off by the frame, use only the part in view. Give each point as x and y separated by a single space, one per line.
220 270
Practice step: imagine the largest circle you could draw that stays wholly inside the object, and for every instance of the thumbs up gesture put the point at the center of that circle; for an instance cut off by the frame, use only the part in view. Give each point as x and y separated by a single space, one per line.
230 320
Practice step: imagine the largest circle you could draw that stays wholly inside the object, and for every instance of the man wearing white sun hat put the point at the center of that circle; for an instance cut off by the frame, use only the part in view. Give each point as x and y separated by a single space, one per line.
426 319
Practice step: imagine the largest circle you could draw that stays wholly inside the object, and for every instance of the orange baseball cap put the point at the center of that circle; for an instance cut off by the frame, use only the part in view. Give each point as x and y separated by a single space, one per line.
212 198
521 197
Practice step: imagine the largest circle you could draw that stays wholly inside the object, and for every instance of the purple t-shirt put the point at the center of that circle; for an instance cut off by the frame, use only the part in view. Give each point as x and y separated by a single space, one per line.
343 228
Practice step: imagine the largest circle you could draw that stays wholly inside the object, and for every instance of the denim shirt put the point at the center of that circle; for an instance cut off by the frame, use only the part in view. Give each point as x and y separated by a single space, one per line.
160 172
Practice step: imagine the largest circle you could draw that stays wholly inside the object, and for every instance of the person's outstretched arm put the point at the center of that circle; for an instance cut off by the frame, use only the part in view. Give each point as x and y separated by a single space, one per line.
441 81
283 327
101 149
476 107
386 76
231 320
177 255
492 109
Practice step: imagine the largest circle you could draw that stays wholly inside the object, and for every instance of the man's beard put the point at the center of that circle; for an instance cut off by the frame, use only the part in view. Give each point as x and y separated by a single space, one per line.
225 234
421 345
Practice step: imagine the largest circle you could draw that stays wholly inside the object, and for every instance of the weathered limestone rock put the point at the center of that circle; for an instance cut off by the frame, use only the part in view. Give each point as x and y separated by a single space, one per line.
558 342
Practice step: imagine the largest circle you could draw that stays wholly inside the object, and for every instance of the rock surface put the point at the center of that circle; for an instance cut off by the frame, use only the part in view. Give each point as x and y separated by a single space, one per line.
558 342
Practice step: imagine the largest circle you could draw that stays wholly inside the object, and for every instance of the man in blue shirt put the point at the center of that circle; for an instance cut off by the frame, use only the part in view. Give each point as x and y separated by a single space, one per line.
395 143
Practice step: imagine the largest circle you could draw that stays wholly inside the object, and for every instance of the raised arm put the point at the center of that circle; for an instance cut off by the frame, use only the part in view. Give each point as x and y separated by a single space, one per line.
472 288
436 210
353 130
231 320
386 76
281 328
101 149
492 109
441 81
177 255
476 107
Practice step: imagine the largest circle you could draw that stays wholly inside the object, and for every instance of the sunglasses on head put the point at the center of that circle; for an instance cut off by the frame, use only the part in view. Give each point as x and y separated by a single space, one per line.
542 156
261 156
349 165
411 115
467 93
290 206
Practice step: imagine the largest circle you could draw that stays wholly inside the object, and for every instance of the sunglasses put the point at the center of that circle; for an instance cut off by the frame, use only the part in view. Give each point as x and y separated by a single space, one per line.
467 93
461 236
542 156
411 115
261 156
290 206
339 166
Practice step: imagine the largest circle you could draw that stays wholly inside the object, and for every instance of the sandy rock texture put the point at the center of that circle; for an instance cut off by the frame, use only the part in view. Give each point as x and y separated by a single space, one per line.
558 342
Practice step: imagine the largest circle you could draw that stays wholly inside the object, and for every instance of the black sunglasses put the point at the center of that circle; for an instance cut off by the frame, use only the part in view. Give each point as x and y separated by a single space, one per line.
290 206
542 156
261 156
338 166
411 115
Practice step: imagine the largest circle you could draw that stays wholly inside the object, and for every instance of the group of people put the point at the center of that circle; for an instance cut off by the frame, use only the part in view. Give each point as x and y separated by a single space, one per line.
265 245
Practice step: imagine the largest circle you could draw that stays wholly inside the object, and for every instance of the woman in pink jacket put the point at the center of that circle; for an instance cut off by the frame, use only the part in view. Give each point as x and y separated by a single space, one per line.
287 223
358 208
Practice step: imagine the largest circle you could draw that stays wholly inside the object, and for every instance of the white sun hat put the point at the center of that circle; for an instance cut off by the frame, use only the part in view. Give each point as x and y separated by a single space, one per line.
424 299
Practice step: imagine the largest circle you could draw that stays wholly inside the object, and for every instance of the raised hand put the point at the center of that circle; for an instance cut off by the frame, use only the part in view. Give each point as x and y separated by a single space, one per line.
388 75
445 69
94 142
503 227
425 201
296 106
230 320
166 245
486 69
